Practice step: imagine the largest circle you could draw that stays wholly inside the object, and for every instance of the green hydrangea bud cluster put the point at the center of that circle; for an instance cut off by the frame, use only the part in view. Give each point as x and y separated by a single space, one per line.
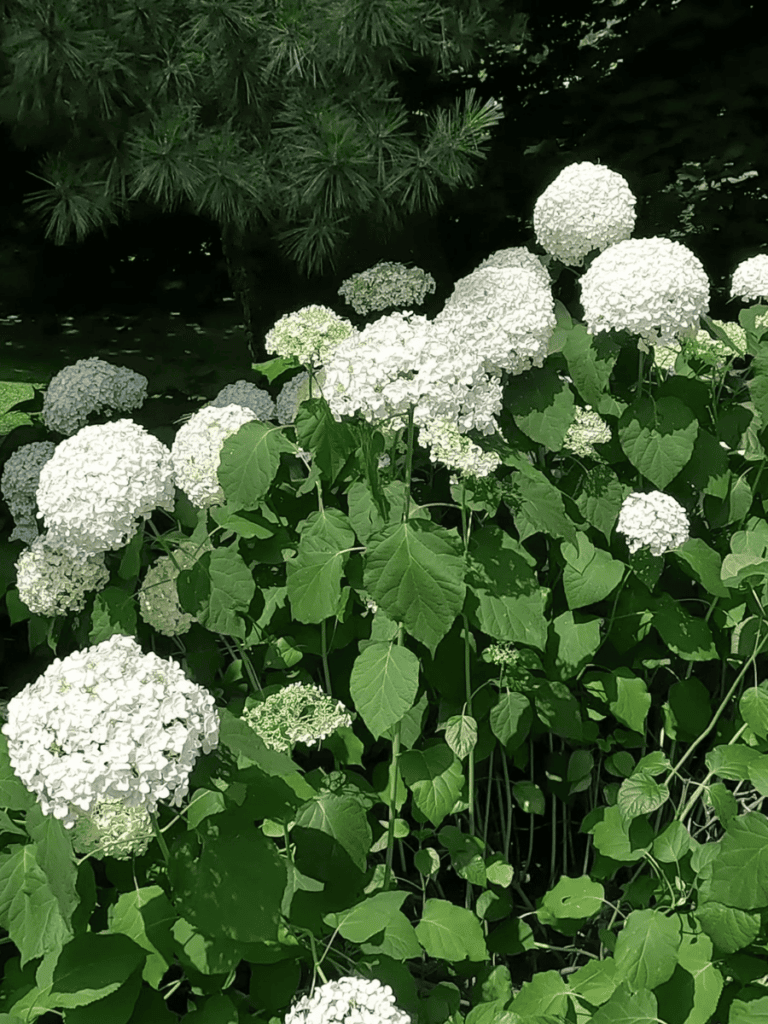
309 335
385 285
113 830
587 430
515 674
296 714
158 596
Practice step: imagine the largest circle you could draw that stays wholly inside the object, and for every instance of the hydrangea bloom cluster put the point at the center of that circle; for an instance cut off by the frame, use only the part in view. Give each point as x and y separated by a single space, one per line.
586 207
712 351
242 392
348 1001
113 830
51 582
587 430
158 596
655 520
196 451
653 287
504 315
401 360
296 714
518 256
98 483
750 279
294 393
19 483
90 386
109 723
386 285
308 335
456 450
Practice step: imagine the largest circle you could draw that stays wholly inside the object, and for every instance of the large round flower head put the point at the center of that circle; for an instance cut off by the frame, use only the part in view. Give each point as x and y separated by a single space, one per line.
196 451
387 285
750 279
655 520
503 315
244 393
295 392
113 830
158 596
455 450
51 582
90 386
109 723
586 207
98 484
518 256
308 335
402 360
348 1001
587 430
296 714
653 287
19 483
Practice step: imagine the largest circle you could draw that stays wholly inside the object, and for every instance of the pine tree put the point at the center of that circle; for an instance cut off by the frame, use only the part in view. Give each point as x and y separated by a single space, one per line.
266 116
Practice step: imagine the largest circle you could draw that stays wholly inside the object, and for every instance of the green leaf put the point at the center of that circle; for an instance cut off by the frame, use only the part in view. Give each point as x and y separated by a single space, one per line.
466 854
383 684
731 761
536 504
317 431
340 816
435 778
313 576
542 405
749 637
558 709
249 462
657 436
629 699
696 984
590 361
545 994
415 572
574 898
599 499
704 563
753 707
504 597
748 1011
641 794
620 840
688 710
729 929
740 871
673 843
723 802
590 574
511 718
572 643
689 637
646 949
529 797
628 1007
448 932
461 734
218 590
367 917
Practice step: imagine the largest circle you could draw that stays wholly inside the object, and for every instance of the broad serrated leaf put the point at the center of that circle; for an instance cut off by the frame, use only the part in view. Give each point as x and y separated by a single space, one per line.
313 576
657 436
641 794
383 685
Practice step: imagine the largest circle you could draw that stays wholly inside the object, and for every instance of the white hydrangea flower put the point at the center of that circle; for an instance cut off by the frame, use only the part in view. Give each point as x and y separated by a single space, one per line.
296 714
653 287
750 279
711 350
19 483
586 207
52 583
109 723
99 483
196 451
587 430
455 450
403 360
386 285
348 1001
113 830
655 520
309 335
158 596
504 315
518 256
295 392
90 386
244 393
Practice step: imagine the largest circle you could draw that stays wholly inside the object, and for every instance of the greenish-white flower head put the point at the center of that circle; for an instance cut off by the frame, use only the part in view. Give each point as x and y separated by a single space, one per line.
296 391
113 830
385 286
587 430
296 714
713 351
158 596
518 256
455 450
309 335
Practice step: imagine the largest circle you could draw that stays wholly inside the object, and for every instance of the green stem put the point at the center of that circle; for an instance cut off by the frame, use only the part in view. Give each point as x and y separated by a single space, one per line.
160 838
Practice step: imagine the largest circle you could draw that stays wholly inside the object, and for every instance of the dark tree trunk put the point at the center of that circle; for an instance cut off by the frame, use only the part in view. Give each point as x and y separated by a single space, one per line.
244 269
